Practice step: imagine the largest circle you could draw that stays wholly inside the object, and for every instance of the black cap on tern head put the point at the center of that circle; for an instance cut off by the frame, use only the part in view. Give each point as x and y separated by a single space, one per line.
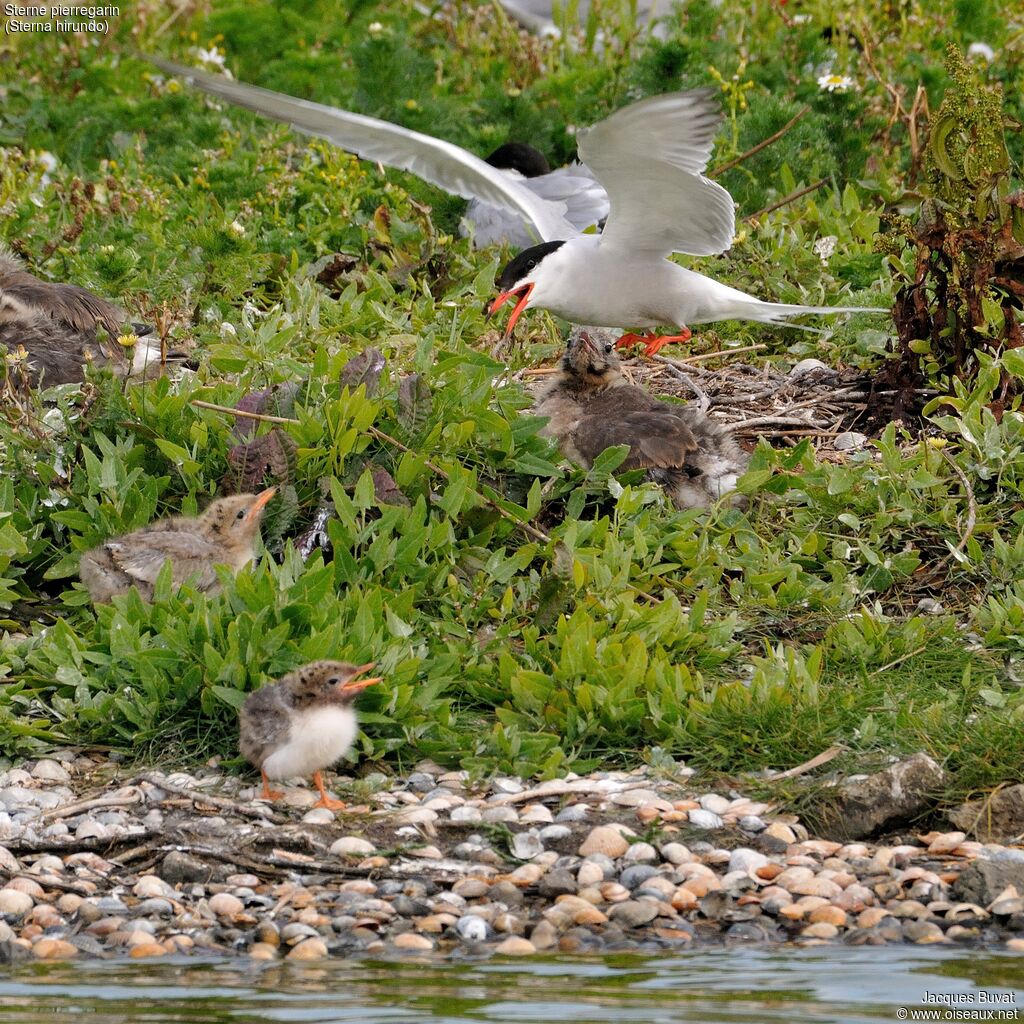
522 264
521 157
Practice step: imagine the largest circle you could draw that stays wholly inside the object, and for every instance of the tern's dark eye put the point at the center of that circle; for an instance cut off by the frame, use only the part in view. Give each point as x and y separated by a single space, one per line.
608 348
241 514
334 680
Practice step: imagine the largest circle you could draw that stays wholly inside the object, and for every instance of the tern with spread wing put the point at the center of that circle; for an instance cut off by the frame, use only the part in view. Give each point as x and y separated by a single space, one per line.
650 157
515 197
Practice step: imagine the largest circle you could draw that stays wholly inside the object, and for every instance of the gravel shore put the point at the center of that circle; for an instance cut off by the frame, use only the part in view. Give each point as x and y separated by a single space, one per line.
103 861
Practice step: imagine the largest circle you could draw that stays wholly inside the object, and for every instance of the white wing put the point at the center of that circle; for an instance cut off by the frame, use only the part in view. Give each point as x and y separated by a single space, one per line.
572 189
650 156
586 202
439 162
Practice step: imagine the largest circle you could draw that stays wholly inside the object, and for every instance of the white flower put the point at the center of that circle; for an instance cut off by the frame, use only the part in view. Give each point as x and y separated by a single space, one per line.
237 228
801 19
375 28
227 330
250 310
211 58
825 246
982 50
836 83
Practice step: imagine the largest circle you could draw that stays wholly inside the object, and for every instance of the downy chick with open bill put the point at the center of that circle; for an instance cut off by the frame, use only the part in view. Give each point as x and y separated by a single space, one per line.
225 534
590 407
58 325
303 723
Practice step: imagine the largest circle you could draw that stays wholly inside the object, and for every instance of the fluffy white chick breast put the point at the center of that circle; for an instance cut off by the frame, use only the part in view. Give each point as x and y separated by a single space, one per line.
317 738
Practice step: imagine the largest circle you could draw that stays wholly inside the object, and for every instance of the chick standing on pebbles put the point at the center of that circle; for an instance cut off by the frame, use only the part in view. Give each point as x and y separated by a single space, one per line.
302 723
225 534
590 407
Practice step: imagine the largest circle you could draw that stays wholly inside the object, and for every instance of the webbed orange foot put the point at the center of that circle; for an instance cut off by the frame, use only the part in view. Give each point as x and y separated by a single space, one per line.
654 345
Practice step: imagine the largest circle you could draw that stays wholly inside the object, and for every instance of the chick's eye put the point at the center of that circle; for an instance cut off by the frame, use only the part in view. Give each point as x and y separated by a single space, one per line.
608 347
241 514
334 680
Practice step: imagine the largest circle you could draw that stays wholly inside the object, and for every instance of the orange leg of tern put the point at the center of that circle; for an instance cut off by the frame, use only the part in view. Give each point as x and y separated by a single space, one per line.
652 344
326 801
268 793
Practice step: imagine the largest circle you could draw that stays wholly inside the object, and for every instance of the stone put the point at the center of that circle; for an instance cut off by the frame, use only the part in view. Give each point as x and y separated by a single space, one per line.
558 882
946 842
634 913
702 818
308 949
472 928
554 833
499 814
12 901
54 949
515 946
527 845
466 813
848 440
997 817
573 812
318 816
984 879
49 770
223 904
641 852
351 846
410 940
149 885
604 839
923 932
676 853
821 930
178 868
148 948
900 792
742 859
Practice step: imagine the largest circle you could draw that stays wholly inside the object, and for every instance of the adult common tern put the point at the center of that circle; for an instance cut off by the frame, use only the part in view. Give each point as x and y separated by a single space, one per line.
515 199
650 157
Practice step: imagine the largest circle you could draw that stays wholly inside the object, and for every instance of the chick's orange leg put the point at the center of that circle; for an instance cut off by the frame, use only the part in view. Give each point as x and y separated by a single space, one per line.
654 345
326 801
268 793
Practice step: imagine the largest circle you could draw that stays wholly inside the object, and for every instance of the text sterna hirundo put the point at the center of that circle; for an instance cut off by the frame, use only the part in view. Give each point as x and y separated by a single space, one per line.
511 202
650 157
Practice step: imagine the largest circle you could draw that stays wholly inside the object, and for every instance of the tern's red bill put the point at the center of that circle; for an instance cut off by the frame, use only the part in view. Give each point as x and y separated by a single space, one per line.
522 295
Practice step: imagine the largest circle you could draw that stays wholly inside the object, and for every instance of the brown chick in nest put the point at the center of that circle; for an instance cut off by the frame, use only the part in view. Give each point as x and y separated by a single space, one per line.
302 723
590 407
57 326
225 534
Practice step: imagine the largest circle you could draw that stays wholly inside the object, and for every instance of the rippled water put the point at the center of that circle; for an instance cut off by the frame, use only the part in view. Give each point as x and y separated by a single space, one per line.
758 986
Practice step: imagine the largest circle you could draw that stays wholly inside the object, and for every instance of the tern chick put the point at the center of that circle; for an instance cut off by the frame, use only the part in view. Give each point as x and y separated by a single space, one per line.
590 407
302 723
57 325
225 534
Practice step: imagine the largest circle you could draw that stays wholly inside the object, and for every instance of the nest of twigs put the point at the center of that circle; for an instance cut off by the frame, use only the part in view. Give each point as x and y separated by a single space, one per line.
755 400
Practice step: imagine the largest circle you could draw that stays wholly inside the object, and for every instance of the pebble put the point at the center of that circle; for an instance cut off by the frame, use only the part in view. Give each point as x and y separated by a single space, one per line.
308 949
13 901
515 946
50 771
703 818
742 859
570 878
472 927
226 905
604 839
351 846
54 949
848 440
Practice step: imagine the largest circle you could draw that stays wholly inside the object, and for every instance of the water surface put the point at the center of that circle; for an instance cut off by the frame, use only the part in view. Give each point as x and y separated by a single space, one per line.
823 985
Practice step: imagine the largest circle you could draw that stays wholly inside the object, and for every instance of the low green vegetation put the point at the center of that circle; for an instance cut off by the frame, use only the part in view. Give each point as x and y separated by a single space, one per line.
528 616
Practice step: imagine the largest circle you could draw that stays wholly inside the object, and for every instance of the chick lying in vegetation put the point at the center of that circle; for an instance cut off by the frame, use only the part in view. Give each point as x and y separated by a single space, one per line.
225 534
590 407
